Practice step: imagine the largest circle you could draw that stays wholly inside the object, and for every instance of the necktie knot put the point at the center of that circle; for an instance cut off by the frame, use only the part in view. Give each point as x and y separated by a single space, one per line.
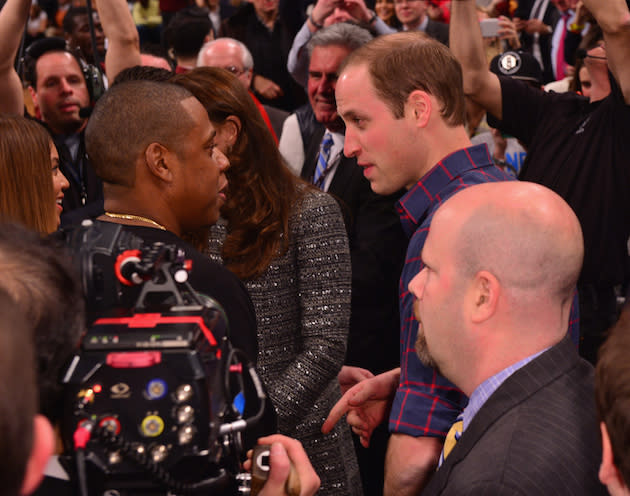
323 160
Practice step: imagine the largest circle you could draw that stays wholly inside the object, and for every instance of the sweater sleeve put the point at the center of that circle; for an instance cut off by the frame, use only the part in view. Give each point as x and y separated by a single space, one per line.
324 284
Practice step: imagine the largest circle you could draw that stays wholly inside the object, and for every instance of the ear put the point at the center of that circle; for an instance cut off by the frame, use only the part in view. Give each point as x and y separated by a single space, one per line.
43 445
249 75
33 94
609 474
484 296
232 128
419 107
158 163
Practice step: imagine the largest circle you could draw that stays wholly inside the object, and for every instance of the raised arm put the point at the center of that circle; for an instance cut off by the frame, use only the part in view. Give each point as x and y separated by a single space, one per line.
298 61
124 43
614 18
466 43
12 21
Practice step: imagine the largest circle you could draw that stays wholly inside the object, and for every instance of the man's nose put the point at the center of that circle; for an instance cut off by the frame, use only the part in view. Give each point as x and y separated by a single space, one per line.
416 286
350 144
326 85
222 161
65 86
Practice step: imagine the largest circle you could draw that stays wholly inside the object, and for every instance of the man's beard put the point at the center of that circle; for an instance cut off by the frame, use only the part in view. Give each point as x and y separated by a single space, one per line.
422 350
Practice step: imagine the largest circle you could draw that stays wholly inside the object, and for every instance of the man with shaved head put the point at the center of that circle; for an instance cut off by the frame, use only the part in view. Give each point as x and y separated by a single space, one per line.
498 330
492 302
164 177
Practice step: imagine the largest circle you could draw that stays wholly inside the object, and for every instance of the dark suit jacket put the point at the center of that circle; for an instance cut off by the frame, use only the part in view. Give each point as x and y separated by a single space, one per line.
438 30
551 17
277 118
270 51
377 248
536 435
85 186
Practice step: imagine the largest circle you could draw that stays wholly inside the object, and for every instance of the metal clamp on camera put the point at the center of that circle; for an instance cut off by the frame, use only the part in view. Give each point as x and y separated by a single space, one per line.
152 396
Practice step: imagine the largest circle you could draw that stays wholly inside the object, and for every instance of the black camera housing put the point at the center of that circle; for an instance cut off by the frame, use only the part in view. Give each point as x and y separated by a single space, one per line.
150 393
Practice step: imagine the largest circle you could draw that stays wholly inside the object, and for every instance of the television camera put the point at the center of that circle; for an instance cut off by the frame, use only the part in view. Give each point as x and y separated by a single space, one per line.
155 394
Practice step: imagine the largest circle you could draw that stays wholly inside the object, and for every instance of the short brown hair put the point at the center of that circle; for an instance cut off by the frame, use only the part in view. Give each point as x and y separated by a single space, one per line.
401 63
26 185
612 391
128 118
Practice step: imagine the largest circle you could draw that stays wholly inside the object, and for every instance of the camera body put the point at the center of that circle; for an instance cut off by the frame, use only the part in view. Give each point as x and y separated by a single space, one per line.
155 384
150 393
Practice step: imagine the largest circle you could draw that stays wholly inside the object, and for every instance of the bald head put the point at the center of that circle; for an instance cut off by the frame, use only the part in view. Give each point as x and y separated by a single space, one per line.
522 233
501 263
229 54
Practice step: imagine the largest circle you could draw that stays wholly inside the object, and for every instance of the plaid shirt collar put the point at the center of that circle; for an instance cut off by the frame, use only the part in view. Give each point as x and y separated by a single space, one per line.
415 204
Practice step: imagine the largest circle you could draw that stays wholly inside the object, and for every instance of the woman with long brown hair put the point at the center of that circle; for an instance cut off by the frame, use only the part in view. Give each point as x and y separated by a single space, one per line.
31 184
287 242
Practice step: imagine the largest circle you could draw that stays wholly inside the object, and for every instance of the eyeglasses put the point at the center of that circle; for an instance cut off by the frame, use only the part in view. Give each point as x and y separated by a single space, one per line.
234 70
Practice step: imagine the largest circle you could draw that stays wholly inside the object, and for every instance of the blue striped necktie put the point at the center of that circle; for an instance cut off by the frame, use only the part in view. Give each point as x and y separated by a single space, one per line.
323 160
453 435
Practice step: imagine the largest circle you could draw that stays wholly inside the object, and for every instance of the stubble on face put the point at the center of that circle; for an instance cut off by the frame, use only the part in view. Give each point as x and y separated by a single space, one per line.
421 347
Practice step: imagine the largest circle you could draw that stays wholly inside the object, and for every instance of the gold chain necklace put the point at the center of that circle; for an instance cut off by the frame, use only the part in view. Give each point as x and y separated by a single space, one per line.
135 217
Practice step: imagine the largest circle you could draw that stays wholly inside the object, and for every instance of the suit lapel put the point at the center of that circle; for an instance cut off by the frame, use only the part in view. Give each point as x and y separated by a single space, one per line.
516 388
311 152
342 180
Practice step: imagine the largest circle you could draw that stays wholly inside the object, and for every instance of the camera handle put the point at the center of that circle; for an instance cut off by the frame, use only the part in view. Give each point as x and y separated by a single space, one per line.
253 483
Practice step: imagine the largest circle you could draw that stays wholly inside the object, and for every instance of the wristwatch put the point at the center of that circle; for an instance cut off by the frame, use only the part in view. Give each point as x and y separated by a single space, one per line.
500 162
316 24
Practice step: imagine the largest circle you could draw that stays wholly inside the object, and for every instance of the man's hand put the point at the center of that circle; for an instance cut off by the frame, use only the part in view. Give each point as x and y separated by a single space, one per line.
507 31
266 87
435 13
349 376
323 9
284 452
536 26
357 9
367 404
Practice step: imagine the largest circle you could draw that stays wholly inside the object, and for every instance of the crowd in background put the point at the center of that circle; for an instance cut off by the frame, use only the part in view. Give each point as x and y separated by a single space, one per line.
221 123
